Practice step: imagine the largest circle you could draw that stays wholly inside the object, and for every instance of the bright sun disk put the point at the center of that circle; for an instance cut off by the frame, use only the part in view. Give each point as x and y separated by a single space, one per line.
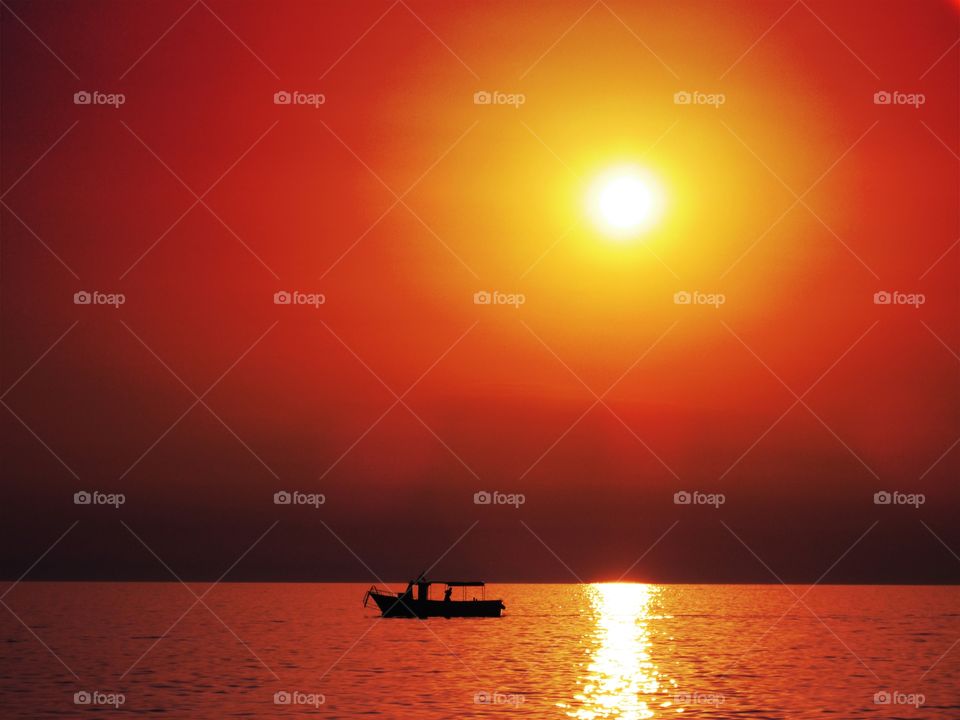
625 202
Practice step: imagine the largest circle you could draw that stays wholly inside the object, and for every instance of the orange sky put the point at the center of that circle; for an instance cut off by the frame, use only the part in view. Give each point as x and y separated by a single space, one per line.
491 197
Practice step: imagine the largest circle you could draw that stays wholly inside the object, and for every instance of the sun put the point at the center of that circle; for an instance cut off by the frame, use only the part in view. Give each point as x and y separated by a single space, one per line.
625 201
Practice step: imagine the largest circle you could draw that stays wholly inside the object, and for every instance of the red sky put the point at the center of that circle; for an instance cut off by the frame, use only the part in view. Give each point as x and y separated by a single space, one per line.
490 198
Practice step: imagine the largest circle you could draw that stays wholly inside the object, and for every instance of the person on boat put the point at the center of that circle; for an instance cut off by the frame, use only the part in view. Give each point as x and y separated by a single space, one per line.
447 593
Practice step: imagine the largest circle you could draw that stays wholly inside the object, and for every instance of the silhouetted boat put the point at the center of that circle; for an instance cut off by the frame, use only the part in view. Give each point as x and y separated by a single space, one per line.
405 605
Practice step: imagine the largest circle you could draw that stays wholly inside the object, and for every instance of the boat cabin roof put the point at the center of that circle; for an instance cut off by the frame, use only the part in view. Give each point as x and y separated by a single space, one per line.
450 583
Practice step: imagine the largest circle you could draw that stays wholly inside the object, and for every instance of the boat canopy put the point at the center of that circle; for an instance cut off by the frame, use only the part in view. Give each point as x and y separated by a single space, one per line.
464 583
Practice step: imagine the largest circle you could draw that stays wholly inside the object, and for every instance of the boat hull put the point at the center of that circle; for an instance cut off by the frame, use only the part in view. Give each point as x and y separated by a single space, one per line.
395 606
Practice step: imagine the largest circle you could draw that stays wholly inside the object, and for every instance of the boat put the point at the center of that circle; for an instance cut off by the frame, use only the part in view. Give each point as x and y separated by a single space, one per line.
406 605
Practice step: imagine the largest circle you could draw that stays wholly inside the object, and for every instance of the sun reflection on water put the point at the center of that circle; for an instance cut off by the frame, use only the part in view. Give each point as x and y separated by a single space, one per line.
621 681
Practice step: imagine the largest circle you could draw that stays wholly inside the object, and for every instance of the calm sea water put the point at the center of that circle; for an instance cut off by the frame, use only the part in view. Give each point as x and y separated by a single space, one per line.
578 651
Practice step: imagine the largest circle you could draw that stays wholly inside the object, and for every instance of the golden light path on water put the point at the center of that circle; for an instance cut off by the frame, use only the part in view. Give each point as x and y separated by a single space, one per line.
621 681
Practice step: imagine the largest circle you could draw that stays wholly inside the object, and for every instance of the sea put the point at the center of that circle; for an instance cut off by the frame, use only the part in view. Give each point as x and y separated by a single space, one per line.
588 651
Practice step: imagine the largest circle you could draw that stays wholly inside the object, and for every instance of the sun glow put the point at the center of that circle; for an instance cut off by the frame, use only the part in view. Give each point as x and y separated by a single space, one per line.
625 201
